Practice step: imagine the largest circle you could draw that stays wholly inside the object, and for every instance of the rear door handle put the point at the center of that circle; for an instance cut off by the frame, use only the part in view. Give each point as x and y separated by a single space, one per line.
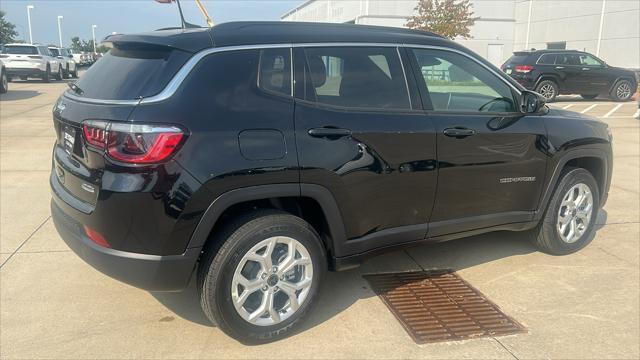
459 132
328 132
559 67
586 69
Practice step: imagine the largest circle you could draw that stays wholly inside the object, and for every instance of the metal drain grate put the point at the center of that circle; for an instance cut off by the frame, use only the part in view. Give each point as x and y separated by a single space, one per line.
439 306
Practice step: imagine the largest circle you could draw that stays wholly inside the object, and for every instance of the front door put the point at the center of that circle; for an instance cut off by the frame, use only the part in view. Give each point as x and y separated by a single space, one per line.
491 160
360 136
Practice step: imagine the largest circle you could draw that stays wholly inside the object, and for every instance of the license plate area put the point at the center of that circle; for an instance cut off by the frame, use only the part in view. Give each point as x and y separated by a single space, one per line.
68 137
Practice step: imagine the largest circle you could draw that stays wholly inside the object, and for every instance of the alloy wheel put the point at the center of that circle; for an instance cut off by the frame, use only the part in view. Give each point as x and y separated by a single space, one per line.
272 281
623 91
547 91
574 214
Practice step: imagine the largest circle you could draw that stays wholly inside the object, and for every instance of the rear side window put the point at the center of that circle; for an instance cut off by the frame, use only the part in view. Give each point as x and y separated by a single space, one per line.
357 77
275 71
131 73
54 52
20 50
547 59
567 59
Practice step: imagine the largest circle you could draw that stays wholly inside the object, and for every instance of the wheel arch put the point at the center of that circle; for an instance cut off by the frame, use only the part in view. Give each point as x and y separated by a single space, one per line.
303 200
634 82
595 161
547 76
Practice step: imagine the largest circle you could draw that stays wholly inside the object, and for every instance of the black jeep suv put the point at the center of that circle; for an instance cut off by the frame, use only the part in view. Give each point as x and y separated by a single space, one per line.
255 156
555 72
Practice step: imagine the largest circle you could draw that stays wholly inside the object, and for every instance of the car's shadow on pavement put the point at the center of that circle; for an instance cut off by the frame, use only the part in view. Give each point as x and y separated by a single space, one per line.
340 290
14 95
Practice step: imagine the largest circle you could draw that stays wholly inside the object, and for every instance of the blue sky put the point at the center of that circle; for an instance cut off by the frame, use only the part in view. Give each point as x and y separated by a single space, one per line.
128 16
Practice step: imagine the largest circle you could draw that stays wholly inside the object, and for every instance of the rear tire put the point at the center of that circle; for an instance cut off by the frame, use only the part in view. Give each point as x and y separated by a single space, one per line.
622 90
589 97
278 298
551 235
548 89
66 73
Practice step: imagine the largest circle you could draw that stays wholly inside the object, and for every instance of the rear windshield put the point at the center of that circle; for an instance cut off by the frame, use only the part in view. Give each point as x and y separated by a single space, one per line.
20 50
518 58
128 74
54 52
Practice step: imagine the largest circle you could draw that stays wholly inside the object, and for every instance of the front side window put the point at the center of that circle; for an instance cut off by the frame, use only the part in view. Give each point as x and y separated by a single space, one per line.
357 77
275 70
588 60
54 52
456 83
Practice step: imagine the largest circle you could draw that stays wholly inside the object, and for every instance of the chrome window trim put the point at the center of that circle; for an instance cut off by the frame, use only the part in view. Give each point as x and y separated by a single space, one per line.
186 69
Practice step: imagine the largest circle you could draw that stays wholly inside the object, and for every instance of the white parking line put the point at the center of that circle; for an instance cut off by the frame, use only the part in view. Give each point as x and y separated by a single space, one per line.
589 108
615 108
566 107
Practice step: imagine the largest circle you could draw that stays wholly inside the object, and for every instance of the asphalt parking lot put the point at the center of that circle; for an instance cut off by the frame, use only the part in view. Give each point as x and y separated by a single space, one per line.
53 305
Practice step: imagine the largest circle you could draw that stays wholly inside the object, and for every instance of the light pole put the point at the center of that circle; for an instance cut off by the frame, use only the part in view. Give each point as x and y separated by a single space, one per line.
60 29
29 8
93 31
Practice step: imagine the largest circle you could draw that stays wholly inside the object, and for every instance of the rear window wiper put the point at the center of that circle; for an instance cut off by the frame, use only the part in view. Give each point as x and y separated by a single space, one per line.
76 89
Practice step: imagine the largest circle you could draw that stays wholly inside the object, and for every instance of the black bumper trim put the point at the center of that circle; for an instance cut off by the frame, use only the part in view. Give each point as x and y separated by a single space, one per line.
149 272
24 72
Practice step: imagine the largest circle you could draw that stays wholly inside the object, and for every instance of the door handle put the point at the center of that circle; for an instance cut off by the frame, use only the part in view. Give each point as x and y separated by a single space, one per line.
586 69
559 67
328 132
459 132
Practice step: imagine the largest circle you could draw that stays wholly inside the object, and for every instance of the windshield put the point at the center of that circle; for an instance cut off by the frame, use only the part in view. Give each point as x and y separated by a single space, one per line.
20 50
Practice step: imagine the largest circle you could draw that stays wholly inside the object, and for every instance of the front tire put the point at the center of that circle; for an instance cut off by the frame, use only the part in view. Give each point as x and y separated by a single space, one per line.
548 89
569 222
262 277
47 75
622 90
59 75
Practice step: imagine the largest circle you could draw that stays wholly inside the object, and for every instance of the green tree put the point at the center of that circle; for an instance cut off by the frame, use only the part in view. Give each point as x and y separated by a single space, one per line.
76 44
7 30
449 18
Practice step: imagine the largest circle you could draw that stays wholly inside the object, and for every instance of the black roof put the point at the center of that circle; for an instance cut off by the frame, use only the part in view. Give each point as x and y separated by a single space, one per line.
271 32
279 32
542 51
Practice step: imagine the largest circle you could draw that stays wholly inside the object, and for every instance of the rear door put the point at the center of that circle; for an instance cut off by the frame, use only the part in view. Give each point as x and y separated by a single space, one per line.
570 72
490 160
362 135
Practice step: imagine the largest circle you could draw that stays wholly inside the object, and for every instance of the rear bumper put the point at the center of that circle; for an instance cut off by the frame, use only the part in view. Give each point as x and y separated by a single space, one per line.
149 272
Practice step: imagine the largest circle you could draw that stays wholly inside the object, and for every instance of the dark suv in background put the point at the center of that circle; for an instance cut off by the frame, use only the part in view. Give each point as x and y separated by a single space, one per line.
255 156
555 72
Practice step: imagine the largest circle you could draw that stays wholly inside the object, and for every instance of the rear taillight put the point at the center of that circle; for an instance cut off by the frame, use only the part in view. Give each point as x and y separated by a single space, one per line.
134 143
35 57
523 68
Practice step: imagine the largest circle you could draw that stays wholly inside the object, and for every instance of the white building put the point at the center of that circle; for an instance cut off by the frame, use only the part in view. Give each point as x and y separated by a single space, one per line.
607 28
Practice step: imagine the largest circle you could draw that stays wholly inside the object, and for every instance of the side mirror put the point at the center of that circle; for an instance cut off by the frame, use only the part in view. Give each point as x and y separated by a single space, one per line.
531 102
